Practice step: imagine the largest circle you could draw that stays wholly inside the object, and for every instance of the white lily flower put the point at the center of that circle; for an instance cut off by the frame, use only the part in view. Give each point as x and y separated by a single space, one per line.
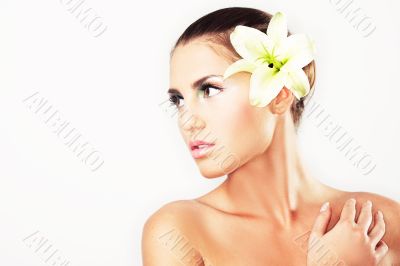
274 60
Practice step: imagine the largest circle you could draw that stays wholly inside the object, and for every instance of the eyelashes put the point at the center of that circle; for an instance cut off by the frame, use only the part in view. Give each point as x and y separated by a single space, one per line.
203 90
205 87
175 99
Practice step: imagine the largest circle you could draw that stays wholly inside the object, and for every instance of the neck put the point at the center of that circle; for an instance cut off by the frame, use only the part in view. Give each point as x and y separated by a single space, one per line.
272 184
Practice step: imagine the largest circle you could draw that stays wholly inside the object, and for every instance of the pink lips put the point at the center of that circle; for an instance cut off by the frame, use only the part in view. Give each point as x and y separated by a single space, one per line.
199 148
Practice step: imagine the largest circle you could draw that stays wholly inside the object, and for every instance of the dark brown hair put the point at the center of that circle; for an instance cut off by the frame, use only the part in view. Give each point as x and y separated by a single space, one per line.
216 28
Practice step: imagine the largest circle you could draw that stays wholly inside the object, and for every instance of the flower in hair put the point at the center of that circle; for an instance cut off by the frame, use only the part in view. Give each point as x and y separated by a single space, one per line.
274 59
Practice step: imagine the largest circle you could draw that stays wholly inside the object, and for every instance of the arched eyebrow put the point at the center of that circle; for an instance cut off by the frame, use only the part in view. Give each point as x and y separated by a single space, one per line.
195 84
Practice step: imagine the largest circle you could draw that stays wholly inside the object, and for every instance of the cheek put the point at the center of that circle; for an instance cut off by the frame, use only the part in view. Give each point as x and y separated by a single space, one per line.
240 126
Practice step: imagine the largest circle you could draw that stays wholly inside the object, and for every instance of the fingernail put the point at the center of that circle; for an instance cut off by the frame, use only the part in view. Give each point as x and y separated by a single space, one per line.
324 206
368 203
380 214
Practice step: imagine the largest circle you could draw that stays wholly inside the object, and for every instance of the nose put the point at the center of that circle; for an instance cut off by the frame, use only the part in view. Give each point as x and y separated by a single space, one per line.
192 122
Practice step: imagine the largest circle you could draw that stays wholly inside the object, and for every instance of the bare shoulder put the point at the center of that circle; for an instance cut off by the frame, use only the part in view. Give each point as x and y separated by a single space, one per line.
391 213
379 199
173 211
168 236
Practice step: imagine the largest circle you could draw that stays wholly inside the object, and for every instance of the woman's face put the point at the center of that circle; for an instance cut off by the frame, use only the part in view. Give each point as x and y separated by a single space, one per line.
219 113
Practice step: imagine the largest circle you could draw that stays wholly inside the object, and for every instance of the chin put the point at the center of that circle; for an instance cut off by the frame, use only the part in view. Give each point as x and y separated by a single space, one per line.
211 171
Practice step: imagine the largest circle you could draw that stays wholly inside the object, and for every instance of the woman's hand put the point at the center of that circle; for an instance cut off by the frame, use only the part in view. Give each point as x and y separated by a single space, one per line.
349 242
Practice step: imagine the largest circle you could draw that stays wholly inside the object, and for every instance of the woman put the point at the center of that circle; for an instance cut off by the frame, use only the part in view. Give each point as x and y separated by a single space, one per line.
268 210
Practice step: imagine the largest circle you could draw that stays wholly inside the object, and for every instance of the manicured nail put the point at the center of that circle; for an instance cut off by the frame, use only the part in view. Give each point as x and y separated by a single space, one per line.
324 206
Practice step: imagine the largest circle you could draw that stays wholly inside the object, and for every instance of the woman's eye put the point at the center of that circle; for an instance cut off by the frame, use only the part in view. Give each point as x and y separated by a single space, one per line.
209 90
176 100
205 90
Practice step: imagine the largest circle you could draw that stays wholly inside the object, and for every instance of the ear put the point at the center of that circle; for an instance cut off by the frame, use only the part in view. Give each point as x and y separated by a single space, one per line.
282 101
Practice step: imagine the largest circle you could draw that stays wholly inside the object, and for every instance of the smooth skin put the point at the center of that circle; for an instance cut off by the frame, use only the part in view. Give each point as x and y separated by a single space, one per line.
367 247
267 210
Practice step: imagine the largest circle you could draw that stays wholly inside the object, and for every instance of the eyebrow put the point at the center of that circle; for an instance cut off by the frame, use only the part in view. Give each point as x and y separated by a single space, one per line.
195 84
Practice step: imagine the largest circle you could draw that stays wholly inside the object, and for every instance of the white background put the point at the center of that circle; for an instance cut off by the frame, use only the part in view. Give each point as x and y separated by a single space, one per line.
109 88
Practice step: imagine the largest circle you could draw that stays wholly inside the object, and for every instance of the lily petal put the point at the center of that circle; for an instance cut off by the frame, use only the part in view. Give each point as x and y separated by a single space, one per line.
239 66
250 43
298 83
298 50
265 85
277 28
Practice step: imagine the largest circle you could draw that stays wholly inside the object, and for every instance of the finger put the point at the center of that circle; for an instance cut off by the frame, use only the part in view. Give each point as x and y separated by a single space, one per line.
321 223
349 210
381 250
378 231
365 218
373 223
